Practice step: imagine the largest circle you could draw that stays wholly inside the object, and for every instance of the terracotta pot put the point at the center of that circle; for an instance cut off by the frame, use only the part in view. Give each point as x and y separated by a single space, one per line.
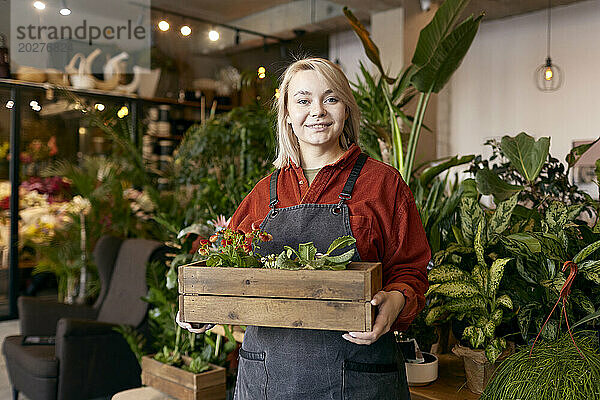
478 370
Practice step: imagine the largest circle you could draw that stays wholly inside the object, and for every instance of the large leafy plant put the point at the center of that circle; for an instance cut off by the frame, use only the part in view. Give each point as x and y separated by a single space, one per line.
472 291
440 50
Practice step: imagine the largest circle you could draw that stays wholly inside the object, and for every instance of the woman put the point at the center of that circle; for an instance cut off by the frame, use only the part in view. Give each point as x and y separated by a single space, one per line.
325 188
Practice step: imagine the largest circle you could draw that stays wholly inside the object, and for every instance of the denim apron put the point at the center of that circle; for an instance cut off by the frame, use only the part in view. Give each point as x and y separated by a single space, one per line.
306 364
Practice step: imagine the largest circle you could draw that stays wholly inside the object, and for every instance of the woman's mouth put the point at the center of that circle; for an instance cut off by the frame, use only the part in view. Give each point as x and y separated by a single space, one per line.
319 126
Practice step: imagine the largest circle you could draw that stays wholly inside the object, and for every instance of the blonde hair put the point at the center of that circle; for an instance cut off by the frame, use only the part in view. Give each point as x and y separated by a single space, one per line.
288 149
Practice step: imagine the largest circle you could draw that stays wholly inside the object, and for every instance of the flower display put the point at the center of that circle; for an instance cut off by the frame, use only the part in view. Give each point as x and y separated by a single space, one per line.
229 248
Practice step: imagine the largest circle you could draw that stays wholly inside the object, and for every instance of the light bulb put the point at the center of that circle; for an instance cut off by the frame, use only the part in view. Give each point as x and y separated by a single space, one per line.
163 25
186 30
213 35
261 76
99 106
548 74
39 5
261 70
123 112
65 11
277 94
10 104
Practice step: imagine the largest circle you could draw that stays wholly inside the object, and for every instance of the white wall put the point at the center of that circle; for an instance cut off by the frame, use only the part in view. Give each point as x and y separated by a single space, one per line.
493 93
346 49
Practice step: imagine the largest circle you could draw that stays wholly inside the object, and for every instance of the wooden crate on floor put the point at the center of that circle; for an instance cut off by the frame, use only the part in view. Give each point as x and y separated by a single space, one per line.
310 299
184 385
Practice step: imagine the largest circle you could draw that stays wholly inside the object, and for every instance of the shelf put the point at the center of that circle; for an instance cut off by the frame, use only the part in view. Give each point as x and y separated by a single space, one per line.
106 93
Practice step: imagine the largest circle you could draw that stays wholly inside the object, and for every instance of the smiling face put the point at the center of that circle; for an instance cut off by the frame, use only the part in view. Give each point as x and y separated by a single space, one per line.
315 112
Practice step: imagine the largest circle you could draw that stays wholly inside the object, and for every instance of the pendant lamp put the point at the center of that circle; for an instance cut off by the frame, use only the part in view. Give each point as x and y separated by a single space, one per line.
548 76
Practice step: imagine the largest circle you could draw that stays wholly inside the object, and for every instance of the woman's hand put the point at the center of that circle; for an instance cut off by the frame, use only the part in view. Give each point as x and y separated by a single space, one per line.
389 306
194 329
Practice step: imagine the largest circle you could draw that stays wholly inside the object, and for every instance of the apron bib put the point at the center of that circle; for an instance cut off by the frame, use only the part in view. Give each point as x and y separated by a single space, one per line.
306 364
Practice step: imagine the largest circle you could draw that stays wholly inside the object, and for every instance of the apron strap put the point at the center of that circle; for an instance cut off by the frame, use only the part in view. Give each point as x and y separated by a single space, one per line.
349 186
346 193
273 190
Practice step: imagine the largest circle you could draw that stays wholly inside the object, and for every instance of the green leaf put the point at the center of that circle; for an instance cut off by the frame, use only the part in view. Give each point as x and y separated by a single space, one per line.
439 27
576 153
480 242
470 215
582 301
479 275
586 252
475 336
488 182
492 352
505 301
457 289
497 316
431 172
489 329
371 50
341 259
446 273
469 187
307 251
526 154
434 315
556 216
586 319
446 57
528 240
340 242
500 220
496 273
465 304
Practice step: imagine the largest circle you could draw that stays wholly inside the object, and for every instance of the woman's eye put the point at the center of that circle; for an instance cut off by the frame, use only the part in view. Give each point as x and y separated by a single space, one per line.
302 101
331 100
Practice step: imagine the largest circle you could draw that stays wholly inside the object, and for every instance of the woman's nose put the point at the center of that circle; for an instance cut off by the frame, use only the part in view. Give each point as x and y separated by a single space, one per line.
317 109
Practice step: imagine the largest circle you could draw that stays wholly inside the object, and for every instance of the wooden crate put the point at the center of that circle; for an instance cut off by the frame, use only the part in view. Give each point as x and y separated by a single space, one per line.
310 299
184 385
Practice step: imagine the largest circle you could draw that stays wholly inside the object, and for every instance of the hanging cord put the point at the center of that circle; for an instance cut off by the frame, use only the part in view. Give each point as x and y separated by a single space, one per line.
549 26
564 292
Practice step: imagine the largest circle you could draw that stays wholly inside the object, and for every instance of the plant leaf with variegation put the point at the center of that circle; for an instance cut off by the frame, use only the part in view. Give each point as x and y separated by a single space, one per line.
496 273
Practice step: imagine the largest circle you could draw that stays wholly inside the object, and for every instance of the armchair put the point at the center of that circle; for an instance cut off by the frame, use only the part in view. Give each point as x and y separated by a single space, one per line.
89 359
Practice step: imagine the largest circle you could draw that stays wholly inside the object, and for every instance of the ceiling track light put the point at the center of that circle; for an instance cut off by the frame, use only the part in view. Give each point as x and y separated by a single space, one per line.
64 10
40 5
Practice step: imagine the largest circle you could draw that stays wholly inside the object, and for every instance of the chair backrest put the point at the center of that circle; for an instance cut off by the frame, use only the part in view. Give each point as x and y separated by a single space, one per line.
122 303
105 254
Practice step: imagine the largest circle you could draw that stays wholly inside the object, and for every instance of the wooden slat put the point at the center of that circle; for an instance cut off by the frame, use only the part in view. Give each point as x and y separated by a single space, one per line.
217 392
168 372
285 313
353 284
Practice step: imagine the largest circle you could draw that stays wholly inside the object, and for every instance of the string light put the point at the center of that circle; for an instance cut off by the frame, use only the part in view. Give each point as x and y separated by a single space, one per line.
277 94
213 35
10 104
123 112
39 5
163 25
186 30
261 72
99 106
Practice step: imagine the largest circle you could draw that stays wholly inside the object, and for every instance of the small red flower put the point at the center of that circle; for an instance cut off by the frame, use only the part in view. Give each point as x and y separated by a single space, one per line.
213 238
223 242
265 237
203 251
247 248
203 242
